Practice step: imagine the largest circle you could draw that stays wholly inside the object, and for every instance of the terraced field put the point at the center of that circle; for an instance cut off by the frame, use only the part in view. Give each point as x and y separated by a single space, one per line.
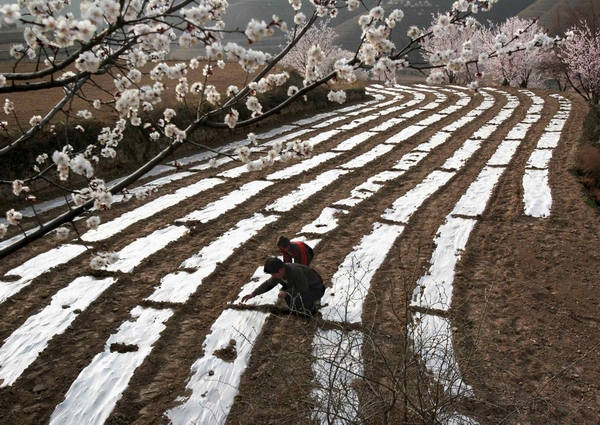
458 254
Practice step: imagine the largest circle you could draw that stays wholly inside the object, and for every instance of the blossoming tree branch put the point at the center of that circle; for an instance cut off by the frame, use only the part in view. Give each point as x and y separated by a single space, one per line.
130 40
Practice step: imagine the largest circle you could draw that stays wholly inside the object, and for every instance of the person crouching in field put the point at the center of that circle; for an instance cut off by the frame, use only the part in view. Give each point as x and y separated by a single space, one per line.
301 286
295 251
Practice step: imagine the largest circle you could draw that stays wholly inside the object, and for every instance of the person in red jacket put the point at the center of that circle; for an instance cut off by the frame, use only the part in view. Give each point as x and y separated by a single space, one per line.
295 251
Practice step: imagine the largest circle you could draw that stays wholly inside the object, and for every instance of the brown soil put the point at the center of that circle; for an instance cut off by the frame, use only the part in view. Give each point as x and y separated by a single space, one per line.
525 310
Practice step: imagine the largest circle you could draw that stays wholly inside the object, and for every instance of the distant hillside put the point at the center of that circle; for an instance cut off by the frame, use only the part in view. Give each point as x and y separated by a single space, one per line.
559 15
416 12
545 10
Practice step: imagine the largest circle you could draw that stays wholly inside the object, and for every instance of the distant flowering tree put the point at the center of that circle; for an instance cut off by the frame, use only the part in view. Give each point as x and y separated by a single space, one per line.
453 47
510 52
317 46
129 41
580 53
520 68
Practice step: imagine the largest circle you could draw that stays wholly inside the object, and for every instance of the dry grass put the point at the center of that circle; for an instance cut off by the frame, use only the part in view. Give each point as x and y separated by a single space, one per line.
588 167
587 163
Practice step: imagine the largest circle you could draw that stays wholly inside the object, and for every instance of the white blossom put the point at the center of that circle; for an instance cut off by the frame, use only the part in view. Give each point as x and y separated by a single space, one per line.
18 186
97 263
394 17
299 18
253 104
108 152
103 260
255 165
337 96
296 4
252 138
231 118
88 61
9 106
473 85
145 192
10 13
62 233
212 95
85 114
93 222
80 165
353 4
13 217
461 5
169 114
436 77
243 153
377 13
60 158
256 30
35 120
569 35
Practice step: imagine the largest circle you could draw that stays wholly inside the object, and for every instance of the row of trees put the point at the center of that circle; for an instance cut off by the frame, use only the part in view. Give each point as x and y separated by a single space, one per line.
127 43
571 61
578 62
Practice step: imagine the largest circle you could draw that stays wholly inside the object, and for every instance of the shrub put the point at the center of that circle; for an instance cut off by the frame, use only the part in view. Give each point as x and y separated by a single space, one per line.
587 164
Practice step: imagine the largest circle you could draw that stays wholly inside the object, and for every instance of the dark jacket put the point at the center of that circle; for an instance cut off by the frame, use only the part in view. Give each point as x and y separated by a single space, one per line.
300 253
298 280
